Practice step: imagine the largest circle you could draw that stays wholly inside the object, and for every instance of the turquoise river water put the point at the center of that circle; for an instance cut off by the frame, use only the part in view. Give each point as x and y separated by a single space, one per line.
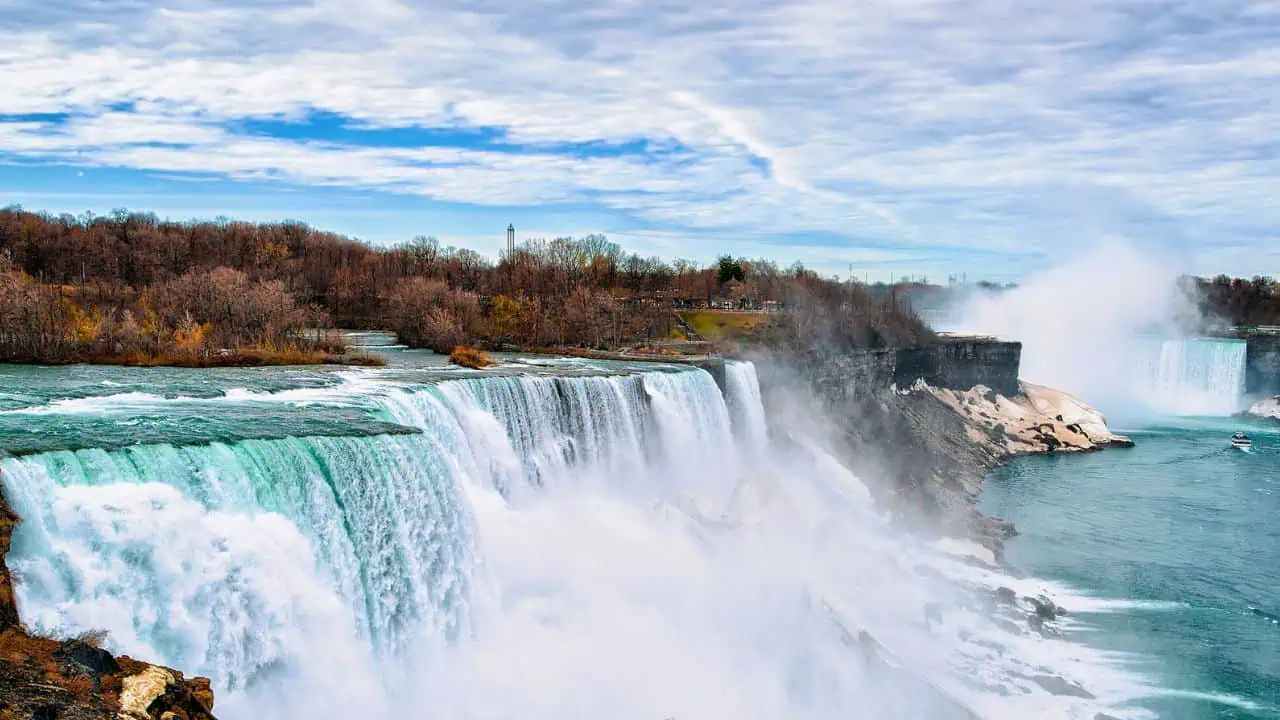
1178 542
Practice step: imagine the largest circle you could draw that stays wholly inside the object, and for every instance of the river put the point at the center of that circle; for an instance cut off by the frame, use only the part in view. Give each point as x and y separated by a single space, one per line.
1177 541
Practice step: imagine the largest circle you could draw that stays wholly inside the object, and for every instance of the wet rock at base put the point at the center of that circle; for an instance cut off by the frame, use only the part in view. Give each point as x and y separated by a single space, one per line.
1045 608
1058 686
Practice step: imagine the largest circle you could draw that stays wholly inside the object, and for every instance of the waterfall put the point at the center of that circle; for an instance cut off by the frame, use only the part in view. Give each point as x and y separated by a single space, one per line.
1194 376
408 532
541 545
745 404
383 515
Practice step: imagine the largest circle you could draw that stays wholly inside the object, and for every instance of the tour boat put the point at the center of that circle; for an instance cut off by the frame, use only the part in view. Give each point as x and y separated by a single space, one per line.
1241 441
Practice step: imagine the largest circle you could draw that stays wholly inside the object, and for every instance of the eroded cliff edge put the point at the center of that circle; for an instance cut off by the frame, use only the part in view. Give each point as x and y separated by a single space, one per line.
46 679
925 426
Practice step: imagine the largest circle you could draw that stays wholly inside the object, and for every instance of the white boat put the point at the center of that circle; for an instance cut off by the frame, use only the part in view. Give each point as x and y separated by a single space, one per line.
1241 441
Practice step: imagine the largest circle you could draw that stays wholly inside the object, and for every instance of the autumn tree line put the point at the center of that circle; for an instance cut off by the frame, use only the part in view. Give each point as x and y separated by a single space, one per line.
1238 301
130 285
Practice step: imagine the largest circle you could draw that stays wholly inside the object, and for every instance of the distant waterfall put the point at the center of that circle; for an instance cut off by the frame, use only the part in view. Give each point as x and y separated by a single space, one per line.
1194 376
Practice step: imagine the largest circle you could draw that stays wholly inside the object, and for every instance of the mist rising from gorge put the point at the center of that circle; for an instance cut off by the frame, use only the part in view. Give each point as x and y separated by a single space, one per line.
1112 326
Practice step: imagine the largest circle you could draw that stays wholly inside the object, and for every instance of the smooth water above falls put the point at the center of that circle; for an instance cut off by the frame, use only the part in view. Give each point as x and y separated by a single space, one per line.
551 539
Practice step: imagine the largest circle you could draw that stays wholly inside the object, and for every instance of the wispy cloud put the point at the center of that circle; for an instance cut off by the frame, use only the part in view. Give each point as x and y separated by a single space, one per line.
933 126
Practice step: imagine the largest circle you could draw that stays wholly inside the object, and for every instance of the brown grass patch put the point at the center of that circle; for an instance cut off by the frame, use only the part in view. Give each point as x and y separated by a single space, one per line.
18 646
717 325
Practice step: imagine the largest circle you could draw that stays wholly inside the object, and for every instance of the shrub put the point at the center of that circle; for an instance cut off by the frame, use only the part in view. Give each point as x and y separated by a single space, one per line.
470 357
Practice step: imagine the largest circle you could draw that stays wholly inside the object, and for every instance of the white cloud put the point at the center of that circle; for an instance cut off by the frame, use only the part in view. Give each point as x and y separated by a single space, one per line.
923 123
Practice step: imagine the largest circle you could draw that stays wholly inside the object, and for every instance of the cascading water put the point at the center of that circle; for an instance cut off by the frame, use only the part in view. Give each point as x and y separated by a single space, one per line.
743 397
1195 376
624 544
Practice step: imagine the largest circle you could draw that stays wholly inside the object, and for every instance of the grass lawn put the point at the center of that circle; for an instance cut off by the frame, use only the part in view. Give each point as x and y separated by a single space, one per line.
717 325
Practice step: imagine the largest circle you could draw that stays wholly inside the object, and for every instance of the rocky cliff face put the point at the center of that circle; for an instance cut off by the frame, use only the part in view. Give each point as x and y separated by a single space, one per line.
961 363
46 679
926 449
1262 366
956 363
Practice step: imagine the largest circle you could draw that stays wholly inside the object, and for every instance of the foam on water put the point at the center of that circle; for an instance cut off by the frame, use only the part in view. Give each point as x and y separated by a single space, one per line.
629 546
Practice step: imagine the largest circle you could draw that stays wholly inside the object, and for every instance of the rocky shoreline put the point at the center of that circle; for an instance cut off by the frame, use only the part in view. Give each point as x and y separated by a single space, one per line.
75 679
955 439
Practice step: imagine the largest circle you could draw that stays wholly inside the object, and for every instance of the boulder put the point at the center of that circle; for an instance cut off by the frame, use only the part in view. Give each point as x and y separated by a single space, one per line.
82 657
1038 420
1045 608
140 690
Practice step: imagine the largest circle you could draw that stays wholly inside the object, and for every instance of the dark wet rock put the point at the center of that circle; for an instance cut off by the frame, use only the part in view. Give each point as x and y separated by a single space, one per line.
1104 716
1058 686
80 657
1045 608
1036 623
1006 596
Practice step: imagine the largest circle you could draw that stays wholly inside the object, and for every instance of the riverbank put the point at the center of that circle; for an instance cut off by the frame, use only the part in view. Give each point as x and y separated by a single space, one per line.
75 679
935 447
240 357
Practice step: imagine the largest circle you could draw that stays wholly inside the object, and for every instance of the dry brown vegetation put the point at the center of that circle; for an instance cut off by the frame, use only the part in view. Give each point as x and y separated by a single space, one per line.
134 289
470 357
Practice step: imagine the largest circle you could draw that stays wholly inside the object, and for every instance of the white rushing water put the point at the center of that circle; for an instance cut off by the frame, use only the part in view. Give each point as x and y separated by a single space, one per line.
1194 376
629 546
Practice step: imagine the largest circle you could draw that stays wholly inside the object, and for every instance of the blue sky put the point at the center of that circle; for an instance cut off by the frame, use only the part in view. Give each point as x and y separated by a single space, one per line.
920 137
